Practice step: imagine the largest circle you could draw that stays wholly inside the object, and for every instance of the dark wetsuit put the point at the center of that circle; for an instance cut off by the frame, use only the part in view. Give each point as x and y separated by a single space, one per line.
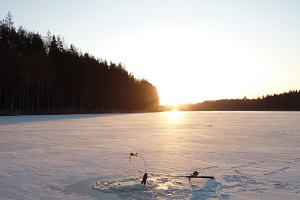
195 174
144 179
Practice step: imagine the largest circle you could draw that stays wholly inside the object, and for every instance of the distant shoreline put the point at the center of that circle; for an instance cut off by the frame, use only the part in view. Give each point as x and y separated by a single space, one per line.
99 113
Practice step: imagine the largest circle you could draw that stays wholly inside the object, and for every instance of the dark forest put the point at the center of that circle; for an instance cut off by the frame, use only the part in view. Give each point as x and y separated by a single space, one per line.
38 75
287 101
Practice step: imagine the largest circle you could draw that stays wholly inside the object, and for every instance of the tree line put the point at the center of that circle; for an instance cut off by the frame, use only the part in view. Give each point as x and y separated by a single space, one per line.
38 74
287 101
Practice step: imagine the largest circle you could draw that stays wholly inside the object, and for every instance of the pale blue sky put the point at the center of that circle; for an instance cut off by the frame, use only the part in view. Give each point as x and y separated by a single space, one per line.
190 50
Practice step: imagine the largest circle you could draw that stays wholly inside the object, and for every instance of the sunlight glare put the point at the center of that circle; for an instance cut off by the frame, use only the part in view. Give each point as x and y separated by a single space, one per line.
174 115
198 65
213 67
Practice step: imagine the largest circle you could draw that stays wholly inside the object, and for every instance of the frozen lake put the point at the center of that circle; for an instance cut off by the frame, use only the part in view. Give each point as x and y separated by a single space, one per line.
252 155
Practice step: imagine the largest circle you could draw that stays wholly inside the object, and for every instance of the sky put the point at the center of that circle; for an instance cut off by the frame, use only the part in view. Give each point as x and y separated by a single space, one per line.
191 50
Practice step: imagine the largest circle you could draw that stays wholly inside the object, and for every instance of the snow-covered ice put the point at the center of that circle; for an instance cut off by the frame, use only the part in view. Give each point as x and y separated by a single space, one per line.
253 155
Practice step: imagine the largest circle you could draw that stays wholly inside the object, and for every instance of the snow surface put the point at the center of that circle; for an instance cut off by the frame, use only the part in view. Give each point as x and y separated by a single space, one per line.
253 155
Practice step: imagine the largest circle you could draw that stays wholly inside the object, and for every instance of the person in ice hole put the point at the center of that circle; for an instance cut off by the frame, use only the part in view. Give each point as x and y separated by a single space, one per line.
194 174
144 179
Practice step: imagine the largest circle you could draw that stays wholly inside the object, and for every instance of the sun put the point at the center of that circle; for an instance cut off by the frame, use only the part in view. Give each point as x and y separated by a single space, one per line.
174 93
169 97
216 68
192 65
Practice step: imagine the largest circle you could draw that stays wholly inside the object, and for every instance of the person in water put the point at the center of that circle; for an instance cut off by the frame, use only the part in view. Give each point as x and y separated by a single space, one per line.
194 174
144 179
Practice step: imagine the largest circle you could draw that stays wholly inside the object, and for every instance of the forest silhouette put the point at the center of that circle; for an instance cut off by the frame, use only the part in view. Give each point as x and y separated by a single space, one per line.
287 101
40 75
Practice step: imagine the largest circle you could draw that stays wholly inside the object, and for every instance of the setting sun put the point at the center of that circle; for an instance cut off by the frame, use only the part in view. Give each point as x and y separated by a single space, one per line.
222 72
